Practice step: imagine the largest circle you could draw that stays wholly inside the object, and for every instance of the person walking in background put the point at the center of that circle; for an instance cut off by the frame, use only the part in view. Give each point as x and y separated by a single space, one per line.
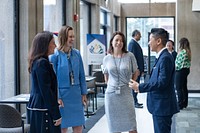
43 103
183 63
118 67
161 97
135 48
72 89
170 47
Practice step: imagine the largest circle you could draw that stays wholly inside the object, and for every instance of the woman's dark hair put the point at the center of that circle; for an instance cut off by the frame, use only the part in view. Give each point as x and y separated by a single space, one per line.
39 47
63 36
185 44
160 33
110 49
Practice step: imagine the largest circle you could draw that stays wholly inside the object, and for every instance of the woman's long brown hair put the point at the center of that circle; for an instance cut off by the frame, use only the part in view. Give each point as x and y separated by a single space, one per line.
110 49
185 44
39 47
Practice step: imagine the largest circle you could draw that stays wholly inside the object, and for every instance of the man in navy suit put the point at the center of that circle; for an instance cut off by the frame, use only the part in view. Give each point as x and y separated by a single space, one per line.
161 97
135 48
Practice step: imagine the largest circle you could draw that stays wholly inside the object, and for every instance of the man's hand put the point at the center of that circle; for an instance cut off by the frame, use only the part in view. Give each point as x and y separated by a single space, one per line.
134 85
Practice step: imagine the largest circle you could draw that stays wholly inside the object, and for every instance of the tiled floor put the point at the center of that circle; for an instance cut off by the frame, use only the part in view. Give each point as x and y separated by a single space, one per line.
187 121
143 118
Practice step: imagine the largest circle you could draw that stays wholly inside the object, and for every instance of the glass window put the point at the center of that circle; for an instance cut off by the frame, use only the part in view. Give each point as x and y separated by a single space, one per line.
102 17
7 62
144 25
105 24
52 15
115 23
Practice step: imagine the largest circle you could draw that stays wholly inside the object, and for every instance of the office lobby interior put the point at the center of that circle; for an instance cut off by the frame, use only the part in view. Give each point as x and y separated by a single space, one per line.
21 20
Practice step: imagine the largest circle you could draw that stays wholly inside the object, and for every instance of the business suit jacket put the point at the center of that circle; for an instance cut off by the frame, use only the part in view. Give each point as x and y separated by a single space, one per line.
71 95
135 48
43 94
174 54
61 68
161 97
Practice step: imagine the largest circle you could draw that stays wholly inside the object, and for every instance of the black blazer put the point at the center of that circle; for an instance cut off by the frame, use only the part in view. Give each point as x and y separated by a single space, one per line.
135 48
43 94
174 54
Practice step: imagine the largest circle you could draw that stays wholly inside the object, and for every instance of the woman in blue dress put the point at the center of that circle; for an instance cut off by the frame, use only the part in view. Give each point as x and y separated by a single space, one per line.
72 90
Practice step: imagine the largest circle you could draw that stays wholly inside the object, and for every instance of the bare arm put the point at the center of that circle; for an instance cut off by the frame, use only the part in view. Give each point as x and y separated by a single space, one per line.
106 78
136 74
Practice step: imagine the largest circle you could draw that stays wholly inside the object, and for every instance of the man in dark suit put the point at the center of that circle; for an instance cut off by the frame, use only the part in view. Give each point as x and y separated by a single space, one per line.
135 48
161 97
170 47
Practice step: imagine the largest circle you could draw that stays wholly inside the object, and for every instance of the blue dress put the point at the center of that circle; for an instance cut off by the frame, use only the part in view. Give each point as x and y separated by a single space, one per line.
71 94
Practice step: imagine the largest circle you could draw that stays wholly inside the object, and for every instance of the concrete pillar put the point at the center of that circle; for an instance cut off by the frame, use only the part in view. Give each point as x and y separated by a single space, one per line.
188 26
31 22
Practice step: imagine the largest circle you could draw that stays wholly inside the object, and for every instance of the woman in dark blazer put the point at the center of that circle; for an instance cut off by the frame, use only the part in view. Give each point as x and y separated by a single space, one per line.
43 106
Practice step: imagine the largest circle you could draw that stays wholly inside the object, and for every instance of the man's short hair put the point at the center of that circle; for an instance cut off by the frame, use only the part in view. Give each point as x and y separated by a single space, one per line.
135 32
160 33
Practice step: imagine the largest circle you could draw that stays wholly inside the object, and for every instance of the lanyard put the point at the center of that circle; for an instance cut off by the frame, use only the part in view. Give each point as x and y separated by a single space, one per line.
71 74
70 64
118 70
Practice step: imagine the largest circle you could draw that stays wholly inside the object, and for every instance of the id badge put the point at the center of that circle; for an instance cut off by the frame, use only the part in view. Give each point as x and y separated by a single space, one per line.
117 91
72 78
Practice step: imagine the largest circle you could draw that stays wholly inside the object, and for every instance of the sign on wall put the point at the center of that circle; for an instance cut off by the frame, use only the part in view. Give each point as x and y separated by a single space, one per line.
96 48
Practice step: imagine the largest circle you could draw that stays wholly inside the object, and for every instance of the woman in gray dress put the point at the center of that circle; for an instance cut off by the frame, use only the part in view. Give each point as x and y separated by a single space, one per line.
119 66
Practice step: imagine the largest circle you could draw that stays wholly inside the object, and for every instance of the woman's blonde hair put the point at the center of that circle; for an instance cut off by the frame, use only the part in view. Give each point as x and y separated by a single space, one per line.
63 36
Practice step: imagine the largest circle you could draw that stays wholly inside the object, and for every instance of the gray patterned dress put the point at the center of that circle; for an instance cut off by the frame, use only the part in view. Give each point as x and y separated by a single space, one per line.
119 105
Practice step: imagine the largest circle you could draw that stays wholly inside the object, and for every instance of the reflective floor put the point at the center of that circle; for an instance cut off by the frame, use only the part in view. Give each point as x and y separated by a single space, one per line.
143 118
187 121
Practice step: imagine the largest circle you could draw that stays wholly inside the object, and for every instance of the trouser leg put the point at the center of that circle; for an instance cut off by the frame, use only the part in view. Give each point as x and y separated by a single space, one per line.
162 124
185 89
179 90
135 93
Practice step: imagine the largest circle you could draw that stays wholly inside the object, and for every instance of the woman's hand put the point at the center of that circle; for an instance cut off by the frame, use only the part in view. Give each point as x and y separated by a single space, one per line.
60 102
84 100
57 122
